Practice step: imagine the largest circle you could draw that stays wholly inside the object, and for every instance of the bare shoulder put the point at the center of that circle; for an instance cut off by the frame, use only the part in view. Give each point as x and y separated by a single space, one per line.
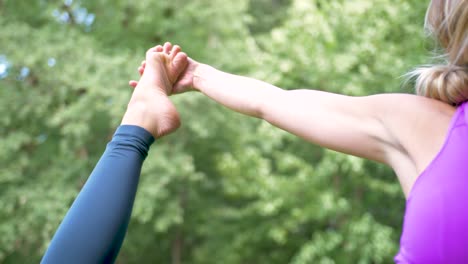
411 102
417 126
412 112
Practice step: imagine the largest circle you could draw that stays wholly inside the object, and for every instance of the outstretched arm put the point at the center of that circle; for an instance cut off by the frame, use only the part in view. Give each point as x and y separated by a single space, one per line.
94 228
347 124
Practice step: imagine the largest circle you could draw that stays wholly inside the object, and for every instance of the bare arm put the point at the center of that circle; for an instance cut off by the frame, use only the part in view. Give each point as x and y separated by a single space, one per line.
347 124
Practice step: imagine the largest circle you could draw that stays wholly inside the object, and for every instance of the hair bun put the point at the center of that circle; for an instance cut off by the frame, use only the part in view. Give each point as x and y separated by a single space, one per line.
447 83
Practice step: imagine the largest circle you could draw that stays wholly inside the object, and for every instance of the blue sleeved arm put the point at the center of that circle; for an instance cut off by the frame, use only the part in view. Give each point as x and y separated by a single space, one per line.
95 225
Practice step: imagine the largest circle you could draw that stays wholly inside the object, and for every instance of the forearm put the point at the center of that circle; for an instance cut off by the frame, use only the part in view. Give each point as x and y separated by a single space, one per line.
94 227
300 112
241 94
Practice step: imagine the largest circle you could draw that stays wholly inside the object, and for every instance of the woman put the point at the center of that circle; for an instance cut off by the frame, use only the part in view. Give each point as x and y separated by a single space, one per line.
423 137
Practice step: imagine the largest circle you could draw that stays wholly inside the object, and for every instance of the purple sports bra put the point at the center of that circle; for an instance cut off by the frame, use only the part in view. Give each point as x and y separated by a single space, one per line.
435 228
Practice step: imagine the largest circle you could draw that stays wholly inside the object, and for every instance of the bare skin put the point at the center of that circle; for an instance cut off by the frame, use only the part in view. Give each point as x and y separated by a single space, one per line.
184 82
402 131
149 106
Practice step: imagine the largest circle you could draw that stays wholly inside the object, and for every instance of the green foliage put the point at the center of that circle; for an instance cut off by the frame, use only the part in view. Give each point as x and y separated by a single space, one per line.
225 188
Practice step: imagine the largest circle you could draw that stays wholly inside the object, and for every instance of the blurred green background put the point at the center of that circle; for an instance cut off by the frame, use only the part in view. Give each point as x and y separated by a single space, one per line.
224 188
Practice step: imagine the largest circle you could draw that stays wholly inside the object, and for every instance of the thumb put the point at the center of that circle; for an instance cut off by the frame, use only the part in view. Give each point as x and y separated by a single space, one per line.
133 83
180 62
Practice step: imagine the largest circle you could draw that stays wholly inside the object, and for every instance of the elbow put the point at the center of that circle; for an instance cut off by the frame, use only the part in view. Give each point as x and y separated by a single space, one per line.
269 104
258 109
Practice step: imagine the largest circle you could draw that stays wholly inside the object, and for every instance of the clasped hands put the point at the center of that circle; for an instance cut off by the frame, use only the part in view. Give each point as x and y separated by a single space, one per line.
165 71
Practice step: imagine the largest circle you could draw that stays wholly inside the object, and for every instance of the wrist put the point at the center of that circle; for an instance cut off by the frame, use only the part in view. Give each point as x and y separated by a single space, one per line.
158 115
137 115
200 76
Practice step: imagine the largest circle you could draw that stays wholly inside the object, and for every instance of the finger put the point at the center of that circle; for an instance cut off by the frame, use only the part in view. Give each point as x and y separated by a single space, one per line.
175 50
167 47
180 62
158 48
178 89
133 83
143 67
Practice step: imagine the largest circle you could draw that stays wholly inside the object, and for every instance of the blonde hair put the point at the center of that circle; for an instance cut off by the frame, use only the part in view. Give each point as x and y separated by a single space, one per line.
447 21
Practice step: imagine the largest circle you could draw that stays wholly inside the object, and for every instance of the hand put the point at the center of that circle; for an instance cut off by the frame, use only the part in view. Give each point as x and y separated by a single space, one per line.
149 106
184 82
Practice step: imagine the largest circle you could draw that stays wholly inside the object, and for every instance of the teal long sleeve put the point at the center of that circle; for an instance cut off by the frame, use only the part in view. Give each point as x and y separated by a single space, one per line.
94 227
